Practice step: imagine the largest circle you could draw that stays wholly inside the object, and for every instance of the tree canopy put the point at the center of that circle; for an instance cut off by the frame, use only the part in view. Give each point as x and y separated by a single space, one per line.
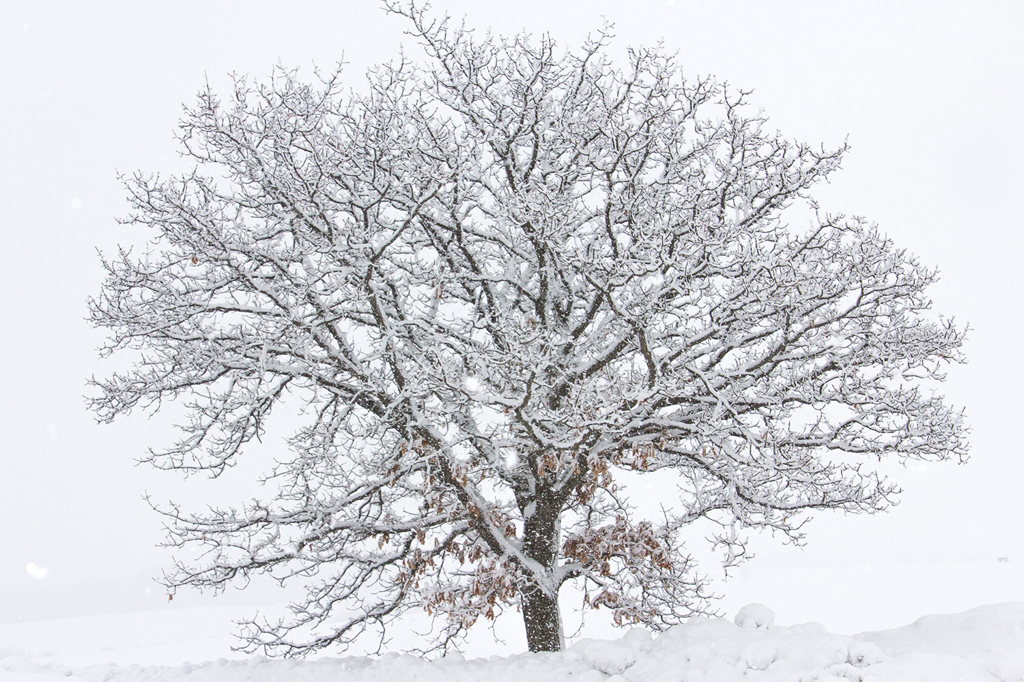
496 287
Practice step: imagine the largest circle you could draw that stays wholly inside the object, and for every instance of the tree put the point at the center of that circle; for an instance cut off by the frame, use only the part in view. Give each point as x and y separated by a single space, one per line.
499 290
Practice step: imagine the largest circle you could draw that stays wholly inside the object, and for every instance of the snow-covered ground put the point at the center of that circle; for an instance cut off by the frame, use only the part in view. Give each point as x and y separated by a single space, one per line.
985 643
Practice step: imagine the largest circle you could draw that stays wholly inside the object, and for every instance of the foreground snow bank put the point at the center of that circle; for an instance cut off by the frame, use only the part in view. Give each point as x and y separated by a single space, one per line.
986 643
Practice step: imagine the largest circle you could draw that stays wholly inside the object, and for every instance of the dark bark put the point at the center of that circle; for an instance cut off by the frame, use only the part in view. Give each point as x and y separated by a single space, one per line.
543 627
540 543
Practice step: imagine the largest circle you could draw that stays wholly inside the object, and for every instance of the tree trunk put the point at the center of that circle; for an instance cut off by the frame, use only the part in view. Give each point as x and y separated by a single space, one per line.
540 543
543 624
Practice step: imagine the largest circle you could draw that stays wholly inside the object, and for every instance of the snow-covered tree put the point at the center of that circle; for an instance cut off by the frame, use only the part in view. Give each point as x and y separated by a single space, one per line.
500 289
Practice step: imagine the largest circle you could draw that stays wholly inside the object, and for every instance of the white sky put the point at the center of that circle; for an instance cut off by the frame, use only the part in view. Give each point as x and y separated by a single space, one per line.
929 94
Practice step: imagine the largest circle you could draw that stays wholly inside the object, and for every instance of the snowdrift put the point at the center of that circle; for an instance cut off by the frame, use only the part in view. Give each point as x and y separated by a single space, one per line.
984 644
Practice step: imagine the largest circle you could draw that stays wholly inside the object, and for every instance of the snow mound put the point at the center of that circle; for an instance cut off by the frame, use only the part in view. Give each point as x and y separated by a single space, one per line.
982 645
992 636
18 664
755 616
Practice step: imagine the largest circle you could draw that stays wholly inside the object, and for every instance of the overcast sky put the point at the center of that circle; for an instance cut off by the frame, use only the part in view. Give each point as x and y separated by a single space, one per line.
929 95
